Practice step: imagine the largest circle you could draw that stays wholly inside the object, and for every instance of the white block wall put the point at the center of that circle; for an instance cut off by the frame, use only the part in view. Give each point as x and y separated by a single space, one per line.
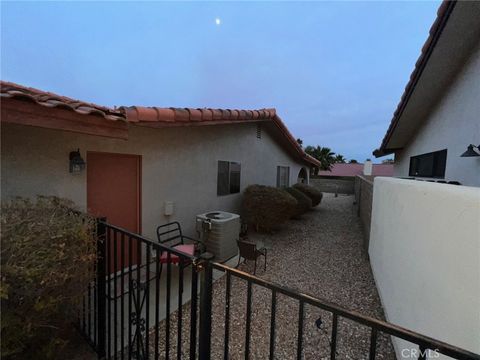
425 255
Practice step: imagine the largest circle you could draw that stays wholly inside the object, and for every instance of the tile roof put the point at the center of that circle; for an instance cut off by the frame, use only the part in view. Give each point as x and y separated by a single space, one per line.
167 116
50 100
357 169
154 116
157 116
443 14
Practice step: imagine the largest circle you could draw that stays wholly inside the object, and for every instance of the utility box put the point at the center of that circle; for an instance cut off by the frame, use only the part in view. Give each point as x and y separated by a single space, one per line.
168 208
220 231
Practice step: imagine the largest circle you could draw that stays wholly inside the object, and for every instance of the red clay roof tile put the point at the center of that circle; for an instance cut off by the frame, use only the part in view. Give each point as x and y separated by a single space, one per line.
234 115
136 114
47 99
145 114
207 114
242 115
181 115
195 114
226 114
217 114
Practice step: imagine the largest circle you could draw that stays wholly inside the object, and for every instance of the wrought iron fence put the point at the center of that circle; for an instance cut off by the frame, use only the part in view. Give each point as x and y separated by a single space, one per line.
126 312
133 292
376 326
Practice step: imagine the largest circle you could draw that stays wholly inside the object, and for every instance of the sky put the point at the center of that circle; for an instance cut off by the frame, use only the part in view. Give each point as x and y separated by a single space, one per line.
335 71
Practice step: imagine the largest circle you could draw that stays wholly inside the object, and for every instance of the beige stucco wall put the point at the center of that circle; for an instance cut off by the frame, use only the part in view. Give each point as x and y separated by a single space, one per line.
425 255
178 164
452 125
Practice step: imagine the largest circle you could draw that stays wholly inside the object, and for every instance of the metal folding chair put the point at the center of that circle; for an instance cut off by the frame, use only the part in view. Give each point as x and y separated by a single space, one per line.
249 251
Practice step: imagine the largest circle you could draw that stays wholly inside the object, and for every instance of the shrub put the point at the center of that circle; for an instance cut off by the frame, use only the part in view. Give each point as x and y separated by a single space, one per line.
304 203
267 207
311 192
48 249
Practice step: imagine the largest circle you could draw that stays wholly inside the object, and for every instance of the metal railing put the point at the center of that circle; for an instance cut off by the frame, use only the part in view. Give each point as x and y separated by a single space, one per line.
127 311
132 294
376 326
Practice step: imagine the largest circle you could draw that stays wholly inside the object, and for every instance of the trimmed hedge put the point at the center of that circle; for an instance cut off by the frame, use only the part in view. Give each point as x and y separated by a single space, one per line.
266 207
48 250
311 192
304 203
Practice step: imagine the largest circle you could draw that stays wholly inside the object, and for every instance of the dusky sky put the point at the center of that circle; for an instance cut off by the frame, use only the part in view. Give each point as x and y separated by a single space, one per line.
334 71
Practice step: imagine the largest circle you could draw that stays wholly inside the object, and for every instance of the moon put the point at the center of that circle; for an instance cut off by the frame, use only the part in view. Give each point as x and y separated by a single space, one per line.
218 21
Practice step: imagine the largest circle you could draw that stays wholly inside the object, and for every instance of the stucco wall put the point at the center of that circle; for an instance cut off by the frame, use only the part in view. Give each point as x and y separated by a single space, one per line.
178 164
425 256
452 125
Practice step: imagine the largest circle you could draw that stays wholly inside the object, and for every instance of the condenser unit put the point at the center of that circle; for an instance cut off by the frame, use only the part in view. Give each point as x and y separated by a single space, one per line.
220 231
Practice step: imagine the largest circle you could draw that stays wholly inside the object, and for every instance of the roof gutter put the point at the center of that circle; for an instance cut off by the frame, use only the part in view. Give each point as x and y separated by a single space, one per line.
443 14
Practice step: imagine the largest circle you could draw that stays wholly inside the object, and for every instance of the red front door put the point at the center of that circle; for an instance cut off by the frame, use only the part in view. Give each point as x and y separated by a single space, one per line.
113 191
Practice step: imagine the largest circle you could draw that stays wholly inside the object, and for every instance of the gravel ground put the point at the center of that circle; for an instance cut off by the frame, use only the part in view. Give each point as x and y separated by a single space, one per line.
320 254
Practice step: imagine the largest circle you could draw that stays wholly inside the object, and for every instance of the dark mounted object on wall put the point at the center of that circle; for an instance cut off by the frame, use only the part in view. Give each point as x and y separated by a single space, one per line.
472 150
77 164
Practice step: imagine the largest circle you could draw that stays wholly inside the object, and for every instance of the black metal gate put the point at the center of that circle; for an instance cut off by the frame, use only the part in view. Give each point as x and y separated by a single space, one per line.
127 311
132 293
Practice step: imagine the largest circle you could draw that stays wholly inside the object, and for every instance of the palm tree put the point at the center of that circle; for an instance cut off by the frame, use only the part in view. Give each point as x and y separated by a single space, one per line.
353 161
323 154
339 159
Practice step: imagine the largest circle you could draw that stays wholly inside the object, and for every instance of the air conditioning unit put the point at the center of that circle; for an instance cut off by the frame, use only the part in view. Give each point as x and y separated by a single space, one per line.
220 231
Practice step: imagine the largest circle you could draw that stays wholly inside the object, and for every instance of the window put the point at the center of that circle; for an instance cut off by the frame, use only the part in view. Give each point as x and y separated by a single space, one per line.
429 165
228 178
283 176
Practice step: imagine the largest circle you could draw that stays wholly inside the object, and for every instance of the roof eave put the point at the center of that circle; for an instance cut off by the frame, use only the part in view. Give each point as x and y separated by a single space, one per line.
311 161
443 13
296 146
383 152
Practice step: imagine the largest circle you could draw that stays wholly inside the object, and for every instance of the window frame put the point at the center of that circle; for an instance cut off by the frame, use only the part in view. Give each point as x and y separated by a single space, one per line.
435 161
232 185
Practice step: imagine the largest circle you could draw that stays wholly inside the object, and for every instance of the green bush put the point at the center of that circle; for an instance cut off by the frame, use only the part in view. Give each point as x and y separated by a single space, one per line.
311 192
47 253
267 207
304 203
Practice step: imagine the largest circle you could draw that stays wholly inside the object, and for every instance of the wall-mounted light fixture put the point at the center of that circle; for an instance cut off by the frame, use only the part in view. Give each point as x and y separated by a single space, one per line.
472 150
77 164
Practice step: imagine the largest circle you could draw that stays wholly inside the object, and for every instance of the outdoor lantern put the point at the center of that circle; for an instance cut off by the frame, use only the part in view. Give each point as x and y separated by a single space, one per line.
472 150
77 164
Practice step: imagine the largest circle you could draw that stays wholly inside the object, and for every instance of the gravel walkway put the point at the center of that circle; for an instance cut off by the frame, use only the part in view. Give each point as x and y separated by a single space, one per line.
320 254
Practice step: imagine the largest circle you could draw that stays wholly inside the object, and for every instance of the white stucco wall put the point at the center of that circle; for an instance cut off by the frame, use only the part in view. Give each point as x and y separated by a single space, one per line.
425 255
452 125
178 164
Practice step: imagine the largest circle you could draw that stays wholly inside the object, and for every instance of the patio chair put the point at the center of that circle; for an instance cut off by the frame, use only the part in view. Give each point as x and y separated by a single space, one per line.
249 251
171 235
